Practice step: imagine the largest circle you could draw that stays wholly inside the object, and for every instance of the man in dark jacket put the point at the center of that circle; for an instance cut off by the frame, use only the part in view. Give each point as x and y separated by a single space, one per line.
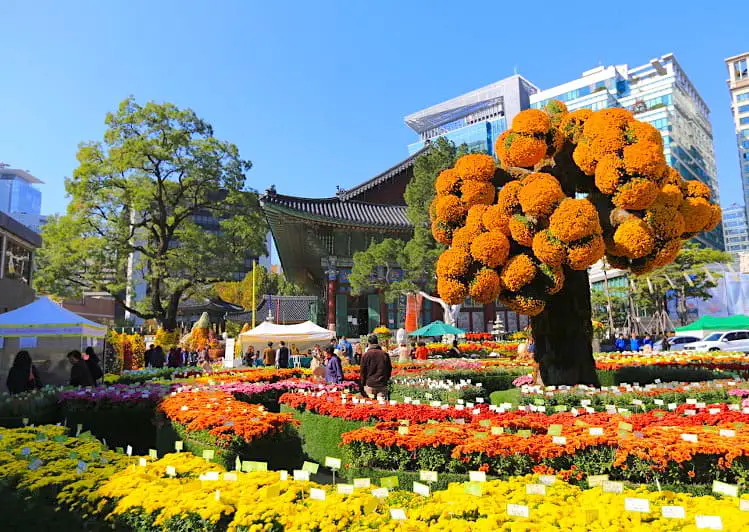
333 368
92 363
375 369
79 374
282 358
158 358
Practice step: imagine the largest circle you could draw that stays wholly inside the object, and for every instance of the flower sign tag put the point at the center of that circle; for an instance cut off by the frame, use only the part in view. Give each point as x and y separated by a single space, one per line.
636 504
473 488
178 446
208 454
744 505
547 480
362 483
730 490
428 476
421 489
673 512
311 467
317 494
535 489
610 486
332 463
555 430
476 476
398 514
153 454
597 480
380 493
389 482
345 489
709 522
301 475
518 510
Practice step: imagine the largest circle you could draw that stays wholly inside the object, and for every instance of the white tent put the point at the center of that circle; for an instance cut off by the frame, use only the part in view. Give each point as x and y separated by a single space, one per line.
44 317
303 335
48 331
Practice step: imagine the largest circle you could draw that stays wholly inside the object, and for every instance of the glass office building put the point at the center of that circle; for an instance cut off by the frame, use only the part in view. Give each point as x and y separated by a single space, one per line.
735 228
476 118
738 86
18 196
661 94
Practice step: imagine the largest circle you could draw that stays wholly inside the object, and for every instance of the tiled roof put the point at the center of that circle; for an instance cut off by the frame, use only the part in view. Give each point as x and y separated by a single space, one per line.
285 309
333 209
351 193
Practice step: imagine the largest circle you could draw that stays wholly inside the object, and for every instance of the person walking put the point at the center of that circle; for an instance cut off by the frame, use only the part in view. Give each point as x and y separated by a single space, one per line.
422 353
92 363
345 348
404 354
375 370
282 356
333 369
22 376
79 374
620 343
269 355
158 359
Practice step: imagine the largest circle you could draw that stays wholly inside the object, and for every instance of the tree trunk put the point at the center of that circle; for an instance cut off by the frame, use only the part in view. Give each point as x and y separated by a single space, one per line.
563 333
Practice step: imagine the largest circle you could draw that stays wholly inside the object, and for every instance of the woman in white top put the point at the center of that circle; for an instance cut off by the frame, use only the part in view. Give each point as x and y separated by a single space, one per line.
404 354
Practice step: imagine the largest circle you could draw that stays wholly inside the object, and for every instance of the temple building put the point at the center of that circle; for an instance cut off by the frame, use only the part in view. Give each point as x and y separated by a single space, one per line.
316 239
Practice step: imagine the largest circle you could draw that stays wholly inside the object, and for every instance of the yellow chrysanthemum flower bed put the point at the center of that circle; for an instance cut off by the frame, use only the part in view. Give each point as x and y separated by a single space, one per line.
265 501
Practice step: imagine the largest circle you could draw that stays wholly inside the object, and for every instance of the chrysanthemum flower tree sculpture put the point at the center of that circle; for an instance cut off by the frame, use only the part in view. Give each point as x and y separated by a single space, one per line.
569 188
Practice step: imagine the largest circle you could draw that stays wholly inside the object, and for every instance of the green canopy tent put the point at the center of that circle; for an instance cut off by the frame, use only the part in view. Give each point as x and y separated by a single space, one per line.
437 328
708 324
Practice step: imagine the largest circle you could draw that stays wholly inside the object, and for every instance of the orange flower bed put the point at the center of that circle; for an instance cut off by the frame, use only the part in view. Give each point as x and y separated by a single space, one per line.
222 416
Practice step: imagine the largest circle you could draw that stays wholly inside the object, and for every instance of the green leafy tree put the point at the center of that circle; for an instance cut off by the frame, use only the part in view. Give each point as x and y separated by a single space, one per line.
240 292
416 257
160 197
619 303
687 277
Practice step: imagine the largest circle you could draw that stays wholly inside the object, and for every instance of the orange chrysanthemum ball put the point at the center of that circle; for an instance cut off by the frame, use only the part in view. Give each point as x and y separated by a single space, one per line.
548 249
519 271
556 278
645 158
697 214
665 222
522 230
529 306
715 218
695 189
454 263
638 131
475 167
531 122
447 182
508 200
450 209
485 286
583 255
636 195
635 238
477 193
442 233
495 219
667 253
540 194
515 149
464 236
452 291
574 219
670 196
610 174
475 217
491 249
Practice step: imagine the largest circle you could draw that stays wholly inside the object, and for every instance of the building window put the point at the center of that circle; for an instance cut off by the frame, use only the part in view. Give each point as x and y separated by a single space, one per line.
742 97
743 108
744 121
740 69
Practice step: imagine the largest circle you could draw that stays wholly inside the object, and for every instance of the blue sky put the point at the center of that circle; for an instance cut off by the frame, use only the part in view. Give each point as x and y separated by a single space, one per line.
314 93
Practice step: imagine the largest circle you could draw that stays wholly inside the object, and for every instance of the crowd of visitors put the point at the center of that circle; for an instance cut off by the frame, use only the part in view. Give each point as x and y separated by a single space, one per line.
625 342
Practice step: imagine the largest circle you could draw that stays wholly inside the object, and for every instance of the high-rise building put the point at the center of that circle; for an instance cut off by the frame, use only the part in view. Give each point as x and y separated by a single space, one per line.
735 228
19 198
476 118
661 94
658 92
738 85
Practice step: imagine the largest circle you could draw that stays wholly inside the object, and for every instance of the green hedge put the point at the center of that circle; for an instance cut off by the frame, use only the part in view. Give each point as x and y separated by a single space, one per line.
39 407
282 450
649 374
399 391
321 435
120 425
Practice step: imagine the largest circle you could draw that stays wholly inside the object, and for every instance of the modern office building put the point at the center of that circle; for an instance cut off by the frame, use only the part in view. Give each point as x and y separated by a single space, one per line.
738 85
476 118
661 94
19 198
658 92
735 228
